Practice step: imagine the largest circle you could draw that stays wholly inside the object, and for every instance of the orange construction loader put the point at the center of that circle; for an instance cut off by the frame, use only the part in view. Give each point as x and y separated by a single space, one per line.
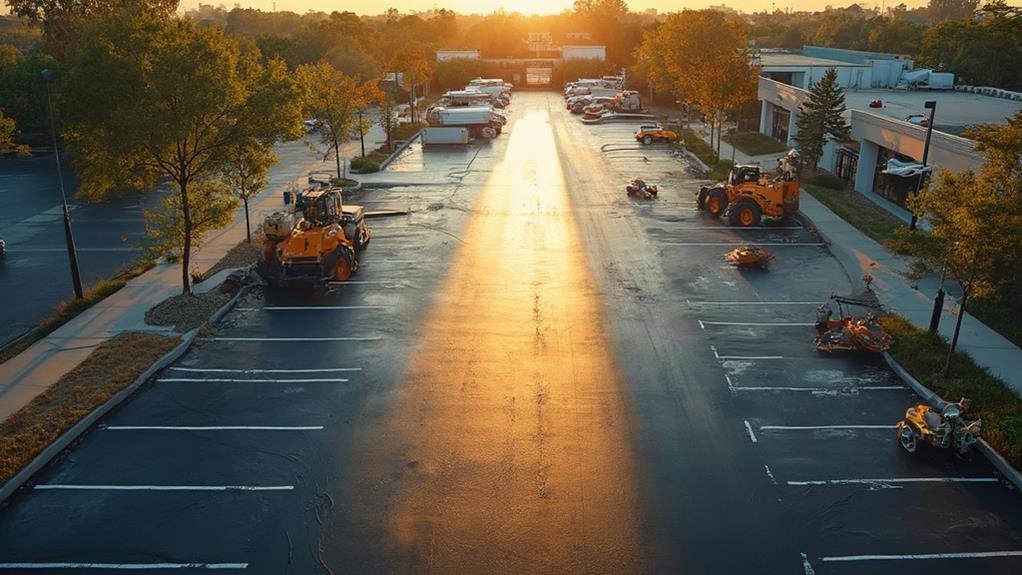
319 241
747 196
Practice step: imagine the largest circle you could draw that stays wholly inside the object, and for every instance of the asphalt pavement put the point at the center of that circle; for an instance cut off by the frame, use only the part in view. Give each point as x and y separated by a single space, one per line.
35 272
530 373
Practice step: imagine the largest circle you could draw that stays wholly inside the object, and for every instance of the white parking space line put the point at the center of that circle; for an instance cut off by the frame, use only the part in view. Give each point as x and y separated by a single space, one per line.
770 474
758 323
731 303
211 428
819 390
717 355
740 243
923 557
243 380
713 228
74 487
821 427
223 370
126 566
381 283
752 435
896 480
311 307
216 338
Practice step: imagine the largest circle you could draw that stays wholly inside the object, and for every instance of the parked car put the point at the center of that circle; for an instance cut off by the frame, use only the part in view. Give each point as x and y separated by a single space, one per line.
649 133
918 119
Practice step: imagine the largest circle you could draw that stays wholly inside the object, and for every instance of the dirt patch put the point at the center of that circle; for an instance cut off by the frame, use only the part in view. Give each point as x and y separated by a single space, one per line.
188 311
107 370
244 254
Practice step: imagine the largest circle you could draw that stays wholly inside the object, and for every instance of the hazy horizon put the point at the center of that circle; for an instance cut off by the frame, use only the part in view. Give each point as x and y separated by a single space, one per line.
371 7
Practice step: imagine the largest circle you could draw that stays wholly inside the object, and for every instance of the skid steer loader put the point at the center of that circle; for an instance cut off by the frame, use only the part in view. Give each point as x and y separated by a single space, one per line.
747 196
319 241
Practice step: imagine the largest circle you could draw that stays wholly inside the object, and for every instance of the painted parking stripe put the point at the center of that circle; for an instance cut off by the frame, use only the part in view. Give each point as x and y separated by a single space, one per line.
311 307
897 480
130 566
821 427
739 243
224 370
752 435
731 303
923 557
714 228
243 380
717 355
758 323
78 487
212 428
819 389
282 339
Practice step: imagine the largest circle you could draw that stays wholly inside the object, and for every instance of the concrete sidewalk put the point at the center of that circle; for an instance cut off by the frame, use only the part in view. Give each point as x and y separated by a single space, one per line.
30 373
859 254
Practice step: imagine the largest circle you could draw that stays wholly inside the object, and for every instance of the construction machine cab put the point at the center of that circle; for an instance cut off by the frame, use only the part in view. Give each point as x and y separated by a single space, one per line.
321 207
741 174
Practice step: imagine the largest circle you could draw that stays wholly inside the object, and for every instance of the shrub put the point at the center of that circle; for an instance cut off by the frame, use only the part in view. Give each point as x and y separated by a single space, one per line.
827 180
364 166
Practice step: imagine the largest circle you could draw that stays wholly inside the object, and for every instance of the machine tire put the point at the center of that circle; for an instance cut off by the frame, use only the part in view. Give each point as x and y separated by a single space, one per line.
701 198
716 202
489 132
746 214
647 139
907 438
346 264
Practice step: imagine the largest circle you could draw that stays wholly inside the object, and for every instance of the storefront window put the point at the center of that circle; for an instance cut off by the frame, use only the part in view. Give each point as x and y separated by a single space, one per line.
779 130
894 188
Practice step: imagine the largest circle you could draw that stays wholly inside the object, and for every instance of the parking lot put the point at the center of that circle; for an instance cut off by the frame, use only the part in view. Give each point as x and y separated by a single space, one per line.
531 372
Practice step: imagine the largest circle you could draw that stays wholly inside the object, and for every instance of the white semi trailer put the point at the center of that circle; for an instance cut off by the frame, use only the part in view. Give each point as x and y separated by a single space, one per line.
481 122
444 135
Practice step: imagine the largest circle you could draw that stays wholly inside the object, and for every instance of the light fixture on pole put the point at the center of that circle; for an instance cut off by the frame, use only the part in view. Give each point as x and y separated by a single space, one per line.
930 105
72 253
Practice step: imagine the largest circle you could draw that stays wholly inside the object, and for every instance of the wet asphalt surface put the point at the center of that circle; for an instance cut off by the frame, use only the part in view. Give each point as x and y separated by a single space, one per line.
35 272
531 373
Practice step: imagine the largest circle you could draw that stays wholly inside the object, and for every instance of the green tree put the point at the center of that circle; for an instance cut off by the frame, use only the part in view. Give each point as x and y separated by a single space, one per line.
702 57
820 118
333 99
22 93
61 20
9 55
388 115
245 173
8 133
976 217
158 97
951 9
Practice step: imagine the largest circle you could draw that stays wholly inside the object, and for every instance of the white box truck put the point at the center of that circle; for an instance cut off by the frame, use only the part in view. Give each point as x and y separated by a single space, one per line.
481 122
440 135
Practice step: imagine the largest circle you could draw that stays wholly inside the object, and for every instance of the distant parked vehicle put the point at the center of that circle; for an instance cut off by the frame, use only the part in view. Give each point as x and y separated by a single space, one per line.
918 119
649 133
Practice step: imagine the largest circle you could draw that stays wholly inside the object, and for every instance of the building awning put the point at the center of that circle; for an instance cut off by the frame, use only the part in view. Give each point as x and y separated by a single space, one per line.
905 169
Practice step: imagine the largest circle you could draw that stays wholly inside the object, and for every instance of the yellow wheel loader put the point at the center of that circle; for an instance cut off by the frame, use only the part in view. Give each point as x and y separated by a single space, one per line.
319 241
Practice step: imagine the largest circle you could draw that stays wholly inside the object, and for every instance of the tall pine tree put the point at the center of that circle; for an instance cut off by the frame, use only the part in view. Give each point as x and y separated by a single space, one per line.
819 117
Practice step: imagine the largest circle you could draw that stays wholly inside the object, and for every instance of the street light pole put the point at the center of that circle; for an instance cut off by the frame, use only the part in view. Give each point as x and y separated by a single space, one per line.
931 105
72 253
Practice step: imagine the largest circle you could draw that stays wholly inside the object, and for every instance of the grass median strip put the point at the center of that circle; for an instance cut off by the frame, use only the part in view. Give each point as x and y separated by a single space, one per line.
109 369
922 354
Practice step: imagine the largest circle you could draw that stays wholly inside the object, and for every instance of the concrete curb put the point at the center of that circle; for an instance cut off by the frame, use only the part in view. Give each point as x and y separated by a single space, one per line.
1010 473
77 430
393 155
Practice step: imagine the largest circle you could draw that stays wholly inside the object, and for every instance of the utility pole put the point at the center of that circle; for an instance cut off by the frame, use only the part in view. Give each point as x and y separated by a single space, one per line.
932 106
361 132
69 239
